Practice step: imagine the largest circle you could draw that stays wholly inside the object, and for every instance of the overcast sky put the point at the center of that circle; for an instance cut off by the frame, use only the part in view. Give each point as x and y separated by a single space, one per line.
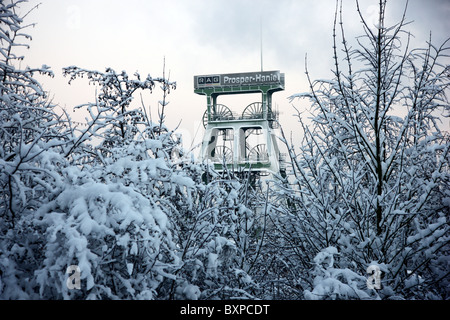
204 37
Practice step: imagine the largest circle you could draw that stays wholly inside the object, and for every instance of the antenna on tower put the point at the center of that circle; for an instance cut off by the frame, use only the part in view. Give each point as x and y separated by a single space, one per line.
261 44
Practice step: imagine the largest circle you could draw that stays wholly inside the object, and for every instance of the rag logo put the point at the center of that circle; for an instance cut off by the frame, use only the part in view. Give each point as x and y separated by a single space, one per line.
374 280
73 281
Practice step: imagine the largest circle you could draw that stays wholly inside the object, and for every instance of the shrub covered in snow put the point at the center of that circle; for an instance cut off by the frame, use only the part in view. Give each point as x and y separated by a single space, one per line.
118 202
369 183
337 284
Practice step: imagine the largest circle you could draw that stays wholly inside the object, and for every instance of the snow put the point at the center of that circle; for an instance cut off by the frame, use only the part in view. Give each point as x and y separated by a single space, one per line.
188 291
139 222
334 283
212 263
182 181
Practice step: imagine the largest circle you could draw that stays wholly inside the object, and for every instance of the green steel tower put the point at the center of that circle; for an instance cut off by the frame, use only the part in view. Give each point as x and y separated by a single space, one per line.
242 142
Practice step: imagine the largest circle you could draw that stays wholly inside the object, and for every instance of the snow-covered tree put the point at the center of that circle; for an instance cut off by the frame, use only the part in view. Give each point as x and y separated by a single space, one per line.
195 250
335 283
215 234
112 119
32 139
29 125
65 202
372 177
116 200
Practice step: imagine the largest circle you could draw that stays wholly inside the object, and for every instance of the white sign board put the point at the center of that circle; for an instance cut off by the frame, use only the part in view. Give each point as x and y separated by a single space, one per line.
239 79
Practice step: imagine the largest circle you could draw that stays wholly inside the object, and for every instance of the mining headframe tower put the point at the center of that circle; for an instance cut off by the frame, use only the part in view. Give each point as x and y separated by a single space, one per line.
241 142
